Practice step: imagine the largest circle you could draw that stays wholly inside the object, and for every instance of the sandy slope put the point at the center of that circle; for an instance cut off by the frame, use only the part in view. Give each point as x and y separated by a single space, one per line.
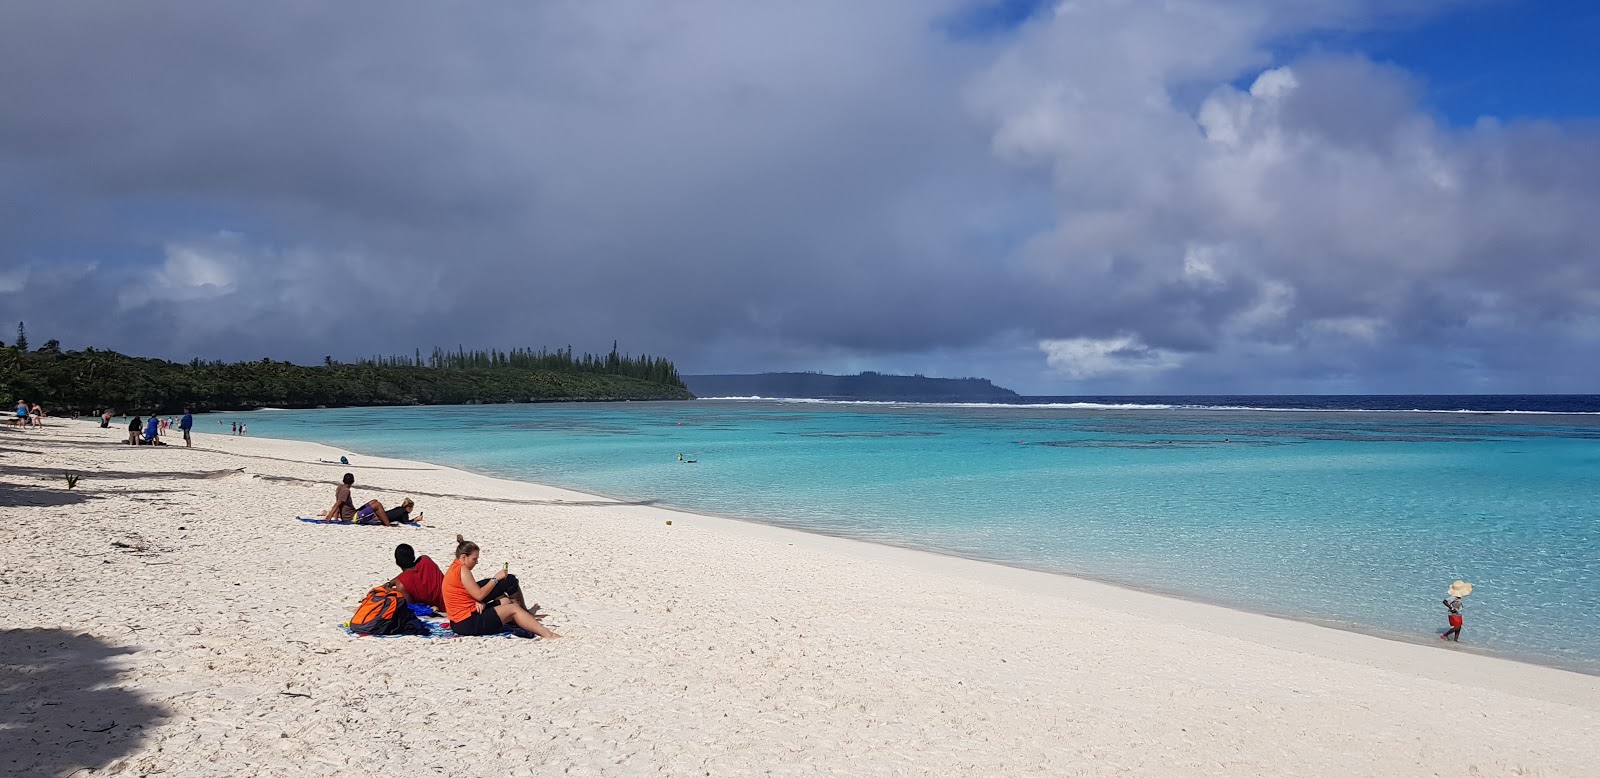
205 644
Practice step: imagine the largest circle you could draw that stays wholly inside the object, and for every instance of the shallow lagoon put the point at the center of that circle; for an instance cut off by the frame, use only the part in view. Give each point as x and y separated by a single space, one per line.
1355 519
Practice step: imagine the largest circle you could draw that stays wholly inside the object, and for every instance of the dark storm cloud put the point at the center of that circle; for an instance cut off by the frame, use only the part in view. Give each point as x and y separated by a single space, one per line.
750 186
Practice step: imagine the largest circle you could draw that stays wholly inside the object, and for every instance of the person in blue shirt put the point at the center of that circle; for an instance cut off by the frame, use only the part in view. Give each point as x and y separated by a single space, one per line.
152 431
185 424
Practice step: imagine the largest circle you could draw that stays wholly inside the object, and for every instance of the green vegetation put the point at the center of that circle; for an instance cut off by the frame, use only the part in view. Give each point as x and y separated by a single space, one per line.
84 381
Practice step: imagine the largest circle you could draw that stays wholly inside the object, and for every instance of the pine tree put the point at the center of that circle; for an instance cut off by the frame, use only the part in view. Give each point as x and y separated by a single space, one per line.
22 337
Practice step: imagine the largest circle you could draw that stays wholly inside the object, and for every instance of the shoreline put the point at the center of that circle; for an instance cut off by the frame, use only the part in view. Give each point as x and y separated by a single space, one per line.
712 645
1417 640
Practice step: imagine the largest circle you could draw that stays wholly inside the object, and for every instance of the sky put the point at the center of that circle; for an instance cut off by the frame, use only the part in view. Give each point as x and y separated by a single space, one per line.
1084 197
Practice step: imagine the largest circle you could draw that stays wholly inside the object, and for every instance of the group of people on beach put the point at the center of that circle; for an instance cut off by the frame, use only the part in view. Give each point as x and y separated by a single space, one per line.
28 415
474 606
149 433
371 512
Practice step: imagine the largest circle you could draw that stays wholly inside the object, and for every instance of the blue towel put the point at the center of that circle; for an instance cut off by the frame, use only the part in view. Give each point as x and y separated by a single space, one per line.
438 631
352 524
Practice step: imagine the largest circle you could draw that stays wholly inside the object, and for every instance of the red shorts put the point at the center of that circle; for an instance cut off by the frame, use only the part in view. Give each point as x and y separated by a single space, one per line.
1455 619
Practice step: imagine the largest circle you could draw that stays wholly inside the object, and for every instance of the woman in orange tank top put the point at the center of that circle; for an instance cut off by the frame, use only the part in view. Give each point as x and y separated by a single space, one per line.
483 607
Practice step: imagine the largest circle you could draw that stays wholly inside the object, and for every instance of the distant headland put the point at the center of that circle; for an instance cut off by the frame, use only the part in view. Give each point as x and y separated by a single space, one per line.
867 385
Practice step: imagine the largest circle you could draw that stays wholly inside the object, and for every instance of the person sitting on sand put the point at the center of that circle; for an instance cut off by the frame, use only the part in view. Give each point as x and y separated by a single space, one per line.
476 607
152 432
344 509
420 576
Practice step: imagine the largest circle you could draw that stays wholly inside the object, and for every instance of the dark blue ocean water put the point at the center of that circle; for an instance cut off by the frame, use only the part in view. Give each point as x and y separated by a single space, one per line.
1355 512
1439 403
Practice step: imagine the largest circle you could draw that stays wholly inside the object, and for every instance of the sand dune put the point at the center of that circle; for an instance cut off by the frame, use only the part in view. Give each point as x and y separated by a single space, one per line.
168 616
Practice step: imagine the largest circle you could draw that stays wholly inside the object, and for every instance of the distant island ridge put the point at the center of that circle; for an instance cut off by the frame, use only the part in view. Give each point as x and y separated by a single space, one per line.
867 385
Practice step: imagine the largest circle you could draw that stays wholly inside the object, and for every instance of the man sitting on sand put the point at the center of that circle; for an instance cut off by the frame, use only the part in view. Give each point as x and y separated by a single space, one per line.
344 509
419 576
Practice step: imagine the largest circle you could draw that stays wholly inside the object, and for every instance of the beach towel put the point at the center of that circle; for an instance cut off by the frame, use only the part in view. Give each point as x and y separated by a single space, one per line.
351 523
438 629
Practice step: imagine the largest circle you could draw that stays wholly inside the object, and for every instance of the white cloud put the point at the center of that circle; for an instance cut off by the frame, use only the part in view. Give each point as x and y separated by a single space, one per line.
1122 356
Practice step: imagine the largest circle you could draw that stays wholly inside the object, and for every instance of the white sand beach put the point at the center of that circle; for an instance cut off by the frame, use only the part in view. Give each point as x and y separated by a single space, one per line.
168 616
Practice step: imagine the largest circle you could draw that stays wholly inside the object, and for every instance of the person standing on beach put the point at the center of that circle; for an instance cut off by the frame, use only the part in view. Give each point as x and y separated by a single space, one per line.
133 430
1452 603
186 424
236 428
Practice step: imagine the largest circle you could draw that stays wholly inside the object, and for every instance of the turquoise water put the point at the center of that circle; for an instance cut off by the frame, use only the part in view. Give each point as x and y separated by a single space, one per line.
1357 519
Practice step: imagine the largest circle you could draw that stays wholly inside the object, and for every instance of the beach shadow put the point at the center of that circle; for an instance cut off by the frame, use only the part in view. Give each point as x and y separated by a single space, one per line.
469 497
114 475
60 710
22 496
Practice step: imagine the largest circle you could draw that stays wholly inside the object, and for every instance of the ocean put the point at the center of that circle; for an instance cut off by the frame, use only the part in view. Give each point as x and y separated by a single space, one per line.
1354 512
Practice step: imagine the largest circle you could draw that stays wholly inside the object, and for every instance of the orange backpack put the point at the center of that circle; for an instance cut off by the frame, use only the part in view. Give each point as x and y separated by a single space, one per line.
379 612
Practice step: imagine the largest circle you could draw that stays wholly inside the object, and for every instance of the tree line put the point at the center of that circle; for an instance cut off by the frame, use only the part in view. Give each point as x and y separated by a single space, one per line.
93 379
644 367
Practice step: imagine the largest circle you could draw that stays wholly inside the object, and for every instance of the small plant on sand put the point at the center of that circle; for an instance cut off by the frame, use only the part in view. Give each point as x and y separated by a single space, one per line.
72 480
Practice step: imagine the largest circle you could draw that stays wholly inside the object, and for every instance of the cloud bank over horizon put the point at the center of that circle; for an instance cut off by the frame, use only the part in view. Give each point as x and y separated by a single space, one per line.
1104 197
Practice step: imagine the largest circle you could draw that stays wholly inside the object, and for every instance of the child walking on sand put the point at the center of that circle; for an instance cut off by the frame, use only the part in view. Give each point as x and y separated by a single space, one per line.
1452 602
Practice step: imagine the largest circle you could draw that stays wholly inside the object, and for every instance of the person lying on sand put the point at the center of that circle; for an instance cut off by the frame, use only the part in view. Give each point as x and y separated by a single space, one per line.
476 607
373 513
402 513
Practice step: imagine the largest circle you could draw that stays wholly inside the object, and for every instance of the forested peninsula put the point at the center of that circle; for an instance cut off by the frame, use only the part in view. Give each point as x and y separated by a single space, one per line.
92 379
